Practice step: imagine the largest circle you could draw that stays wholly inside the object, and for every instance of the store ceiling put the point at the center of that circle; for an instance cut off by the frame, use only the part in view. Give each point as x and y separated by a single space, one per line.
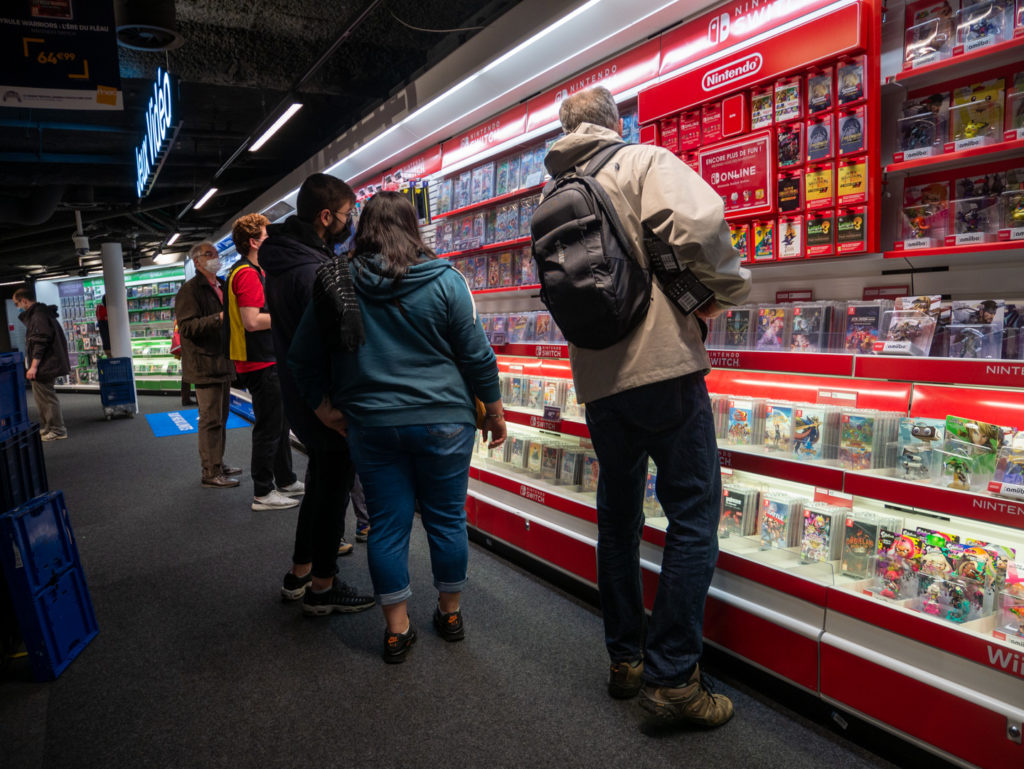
237 62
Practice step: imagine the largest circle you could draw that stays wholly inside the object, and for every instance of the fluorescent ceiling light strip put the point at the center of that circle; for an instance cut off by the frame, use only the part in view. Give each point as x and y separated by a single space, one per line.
276 126
12 283
173 239
202 201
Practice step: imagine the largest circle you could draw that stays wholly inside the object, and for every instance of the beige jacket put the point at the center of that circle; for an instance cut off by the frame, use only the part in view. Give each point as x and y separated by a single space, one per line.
649 185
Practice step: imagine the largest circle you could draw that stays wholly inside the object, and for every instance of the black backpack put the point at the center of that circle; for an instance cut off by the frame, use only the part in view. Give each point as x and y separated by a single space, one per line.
595 290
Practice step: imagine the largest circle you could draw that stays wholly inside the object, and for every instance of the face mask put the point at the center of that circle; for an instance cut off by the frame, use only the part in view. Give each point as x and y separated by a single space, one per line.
211 265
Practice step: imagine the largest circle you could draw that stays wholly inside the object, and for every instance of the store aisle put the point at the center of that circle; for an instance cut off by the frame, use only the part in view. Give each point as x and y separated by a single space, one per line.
199 664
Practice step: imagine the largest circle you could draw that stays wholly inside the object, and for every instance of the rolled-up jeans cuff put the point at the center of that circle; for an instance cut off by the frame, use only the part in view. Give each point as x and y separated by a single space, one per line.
386 599
450 587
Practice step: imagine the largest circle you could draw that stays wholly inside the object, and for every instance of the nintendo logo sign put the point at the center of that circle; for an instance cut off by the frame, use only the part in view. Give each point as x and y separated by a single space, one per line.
727 74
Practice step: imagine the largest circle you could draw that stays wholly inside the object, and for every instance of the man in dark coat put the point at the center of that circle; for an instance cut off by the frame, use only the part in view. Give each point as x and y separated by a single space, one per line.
198 308
291 255
46 350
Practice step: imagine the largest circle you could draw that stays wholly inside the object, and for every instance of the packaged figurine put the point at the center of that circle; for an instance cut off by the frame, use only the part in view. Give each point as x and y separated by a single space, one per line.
975 220
930 31
982 25
925 215
923 126
976 115
1008 479
976 329
907 332
1013 126
1011 215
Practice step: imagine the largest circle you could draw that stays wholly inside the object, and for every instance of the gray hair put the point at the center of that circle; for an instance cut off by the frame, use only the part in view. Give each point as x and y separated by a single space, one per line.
594 105
197 249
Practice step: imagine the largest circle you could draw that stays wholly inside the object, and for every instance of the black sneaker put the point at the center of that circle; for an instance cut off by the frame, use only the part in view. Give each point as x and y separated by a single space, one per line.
294 587
340 597
449 626
397 645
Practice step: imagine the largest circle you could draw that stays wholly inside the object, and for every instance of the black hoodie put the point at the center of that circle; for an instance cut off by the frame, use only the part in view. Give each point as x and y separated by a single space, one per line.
45 341
290 257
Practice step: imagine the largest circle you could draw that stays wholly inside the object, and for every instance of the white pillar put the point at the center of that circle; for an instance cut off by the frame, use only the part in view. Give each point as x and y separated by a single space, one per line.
117 301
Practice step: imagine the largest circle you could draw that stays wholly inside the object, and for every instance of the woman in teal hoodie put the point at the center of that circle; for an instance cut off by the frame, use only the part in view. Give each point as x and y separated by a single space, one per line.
405 401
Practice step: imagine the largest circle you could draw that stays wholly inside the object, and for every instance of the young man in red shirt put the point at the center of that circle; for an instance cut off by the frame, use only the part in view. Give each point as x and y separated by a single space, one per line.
250 346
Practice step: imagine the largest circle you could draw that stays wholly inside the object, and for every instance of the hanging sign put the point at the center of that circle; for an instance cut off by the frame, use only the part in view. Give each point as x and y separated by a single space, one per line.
618 75
790 51
160 115
726 26
509 125
59 55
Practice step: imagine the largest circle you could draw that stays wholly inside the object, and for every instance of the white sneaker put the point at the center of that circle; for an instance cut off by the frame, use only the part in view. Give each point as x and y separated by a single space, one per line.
273 501
296 489
51 436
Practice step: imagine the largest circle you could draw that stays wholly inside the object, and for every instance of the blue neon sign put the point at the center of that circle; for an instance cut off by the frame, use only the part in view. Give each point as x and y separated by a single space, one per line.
159 118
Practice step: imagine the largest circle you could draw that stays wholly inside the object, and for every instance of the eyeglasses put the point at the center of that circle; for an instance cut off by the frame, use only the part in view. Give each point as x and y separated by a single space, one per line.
347 217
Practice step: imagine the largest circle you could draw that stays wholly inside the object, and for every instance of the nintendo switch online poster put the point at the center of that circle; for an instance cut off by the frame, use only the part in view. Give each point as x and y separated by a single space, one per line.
740 172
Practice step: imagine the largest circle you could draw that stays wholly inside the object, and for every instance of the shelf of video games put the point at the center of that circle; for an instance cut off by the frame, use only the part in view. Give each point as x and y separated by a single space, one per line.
872 450
150 298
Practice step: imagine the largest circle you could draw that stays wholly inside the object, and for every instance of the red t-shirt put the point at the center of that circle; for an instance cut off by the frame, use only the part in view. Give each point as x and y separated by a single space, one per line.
249 293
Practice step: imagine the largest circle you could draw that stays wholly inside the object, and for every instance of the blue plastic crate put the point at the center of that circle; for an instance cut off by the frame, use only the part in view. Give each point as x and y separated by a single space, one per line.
13 406
37 543
117 394
22 468
56 624
115 371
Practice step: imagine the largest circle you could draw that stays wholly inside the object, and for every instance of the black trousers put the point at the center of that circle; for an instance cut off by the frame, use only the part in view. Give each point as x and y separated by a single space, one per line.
271 447
321 523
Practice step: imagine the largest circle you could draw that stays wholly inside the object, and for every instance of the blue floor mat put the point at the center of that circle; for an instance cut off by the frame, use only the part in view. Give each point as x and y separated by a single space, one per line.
184 421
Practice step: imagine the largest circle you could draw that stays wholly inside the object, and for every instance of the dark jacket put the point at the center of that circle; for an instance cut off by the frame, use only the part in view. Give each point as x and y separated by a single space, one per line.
197 310
45 341
290 257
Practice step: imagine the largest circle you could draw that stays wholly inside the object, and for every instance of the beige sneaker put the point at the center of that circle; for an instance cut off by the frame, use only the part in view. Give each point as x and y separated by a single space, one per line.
625 679
693 703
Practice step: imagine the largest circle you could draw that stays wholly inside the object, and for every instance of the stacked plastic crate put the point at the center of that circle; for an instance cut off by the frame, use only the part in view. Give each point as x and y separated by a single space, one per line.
41 567
117 387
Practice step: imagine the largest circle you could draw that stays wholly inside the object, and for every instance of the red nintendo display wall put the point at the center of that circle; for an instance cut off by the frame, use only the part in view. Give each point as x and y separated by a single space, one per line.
785 129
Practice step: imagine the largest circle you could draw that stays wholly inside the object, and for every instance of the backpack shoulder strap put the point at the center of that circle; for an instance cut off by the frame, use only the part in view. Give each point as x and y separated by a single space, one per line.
597 162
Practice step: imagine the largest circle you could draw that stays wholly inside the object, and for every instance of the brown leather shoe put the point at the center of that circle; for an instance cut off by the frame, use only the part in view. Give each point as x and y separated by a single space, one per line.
228 470
693 703
220 482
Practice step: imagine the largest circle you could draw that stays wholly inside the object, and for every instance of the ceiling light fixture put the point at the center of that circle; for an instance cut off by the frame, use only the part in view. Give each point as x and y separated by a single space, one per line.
275 127
166 258
173 239
202 201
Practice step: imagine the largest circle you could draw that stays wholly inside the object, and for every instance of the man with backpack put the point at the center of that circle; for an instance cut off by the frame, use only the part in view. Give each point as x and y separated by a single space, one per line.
642 380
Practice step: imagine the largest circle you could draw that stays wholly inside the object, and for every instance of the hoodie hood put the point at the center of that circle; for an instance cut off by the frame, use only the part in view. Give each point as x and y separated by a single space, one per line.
291 244
367 273
41 308
576 148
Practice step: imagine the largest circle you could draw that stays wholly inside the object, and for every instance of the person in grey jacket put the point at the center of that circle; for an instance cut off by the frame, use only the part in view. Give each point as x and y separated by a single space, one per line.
198 310
645 397
47 356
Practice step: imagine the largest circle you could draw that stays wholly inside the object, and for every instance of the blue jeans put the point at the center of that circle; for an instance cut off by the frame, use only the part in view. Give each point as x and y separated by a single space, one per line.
671 422
400 466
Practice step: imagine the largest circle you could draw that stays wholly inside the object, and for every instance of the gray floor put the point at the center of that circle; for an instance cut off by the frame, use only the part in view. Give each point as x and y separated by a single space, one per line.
199 664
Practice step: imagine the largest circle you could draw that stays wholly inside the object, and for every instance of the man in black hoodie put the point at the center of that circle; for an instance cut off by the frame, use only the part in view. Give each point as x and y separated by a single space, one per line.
46 349
290 257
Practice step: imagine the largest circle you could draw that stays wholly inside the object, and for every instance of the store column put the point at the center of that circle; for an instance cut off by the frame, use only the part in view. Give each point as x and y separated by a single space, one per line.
117 302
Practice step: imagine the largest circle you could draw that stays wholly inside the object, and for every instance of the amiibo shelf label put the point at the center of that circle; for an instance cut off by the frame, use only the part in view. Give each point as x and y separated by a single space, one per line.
997 373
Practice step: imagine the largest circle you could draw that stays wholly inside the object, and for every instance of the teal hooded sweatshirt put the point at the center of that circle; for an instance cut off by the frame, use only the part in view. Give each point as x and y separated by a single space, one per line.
425 354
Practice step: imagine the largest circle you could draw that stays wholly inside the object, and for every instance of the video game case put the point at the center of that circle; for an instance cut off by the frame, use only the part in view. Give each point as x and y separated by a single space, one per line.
811 327
746 421
859 545
815 432
462 195
590 473
778 426
571 472
780 521
772 333
863 325
739 510
739 328
821 524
